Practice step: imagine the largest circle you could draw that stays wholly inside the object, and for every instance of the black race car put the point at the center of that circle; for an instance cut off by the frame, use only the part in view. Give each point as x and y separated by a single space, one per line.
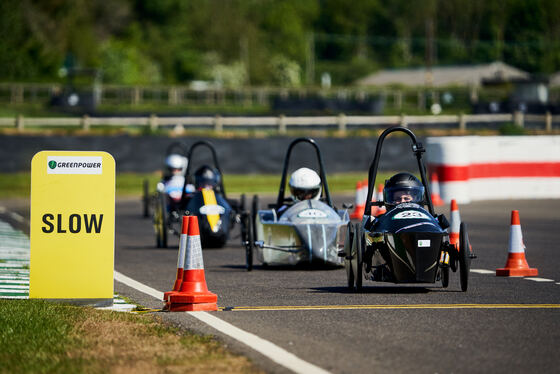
201 193
407 244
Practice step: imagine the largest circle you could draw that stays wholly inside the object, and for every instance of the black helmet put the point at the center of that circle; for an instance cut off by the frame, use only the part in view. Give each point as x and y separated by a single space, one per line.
403 188
206 176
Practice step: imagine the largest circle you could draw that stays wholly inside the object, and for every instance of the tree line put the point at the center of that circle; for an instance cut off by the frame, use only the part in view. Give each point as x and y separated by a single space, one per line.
289 43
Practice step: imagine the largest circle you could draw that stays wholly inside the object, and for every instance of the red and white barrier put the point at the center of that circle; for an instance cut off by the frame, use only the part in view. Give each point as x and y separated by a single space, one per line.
495 167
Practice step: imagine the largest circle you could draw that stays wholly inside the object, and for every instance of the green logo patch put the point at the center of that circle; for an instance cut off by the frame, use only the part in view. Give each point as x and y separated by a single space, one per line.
52 164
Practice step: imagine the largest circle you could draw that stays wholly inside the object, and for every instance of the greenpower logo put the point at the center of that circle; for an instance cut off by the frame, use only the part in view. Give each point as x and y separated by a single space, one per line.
74 165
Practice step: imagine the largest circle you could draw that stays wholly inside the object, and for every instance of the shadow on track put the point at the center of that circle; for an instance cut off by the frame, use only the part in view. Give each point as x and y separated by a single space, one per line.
373 290
305 267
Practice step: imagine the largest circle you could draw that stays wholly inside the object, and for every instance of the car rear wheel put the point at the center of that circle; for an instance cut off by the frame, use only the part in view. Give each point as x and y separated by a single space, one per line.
250 229
160 221
249 244
145 198
359 257
464 259
348 244
445 277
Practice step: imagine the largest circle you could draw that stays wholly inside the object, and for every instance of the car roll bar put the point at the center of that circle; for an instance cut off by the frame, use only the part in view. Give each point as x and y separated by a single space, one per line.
216 165
325 189
417 149
176 146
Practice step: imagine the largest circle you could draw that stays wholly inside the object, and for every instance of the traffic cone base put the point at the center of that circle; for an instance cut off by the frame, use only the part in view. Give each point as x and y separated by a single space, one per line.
193 299
517 266
167 294
200 307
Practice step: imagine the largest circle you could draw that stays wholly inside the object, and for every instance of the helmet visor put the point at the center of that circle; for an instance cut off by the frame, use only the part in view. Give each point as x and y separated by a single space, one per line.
398 195
305 193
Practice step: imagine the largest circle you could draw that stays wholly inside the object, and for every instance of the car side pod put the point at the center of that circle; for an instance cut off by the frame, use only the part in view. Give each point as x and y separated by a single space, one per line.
193 294
180 259
516 265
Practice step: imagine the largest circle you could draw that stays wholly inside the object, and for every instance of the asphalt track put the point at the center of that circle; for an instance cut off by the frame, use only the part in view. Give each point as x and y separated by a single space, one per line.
500 325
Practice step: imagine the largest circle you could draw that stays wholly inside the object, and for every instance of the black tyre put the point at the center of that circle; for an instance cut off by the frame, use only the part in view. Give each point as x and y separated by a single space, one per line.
359 257
249 243
255 207
242 204
160 221
464 259
146 198
445 277
251 224
348 245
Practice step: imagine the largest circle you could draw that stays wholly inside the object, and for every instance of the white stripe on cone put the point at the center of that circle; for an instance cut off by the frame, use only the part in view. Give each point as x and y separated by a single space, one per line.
182 251
193 259
516 240
363 193
455 221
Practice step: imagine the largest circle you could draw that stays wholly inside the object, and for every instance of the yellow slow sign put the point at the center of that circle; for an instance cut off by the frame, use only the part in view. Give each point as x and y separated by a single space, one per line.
72 226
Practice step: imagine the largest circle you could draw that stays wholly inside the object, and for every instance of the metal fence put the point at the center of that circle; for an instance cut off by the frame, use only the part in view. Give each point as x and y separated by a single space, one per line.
281 123
412 99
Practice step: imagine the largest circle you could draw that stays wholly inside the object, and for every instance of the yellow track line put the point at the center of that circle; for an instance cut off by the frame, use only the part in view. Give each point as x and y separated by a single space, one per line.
405 306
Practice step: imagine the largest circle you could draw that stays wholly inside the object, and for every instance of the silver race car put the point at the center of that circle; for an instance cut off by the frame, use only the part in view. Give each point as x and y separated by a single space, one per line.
295 232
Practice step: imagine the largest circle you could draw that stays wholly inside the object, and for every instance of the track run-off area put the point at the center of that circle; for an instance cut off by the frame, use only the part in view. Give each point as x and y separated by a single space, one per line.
305 320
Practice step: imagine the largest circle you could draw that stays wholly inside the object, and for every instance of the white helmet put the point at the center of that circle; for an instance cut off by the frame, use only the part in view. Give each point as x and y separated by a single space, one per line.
305 184
175 164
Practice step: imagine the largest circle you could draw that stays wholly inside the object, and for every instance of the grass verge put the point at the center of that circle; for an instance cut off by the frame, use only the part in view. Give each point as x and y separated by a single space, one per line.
42 337
130 184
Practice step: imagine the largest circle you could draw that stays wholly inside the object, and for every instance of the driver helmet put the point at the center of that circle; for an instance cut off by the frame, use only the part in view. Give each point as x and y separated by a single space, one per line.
403 188
305 184
206 177
175 164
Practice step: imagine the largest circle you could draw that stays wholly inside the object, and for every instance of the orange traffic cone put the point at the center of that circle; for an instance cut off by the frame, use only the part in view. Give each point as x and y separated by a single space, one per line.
516 265
360 202
435 194
455 224
381 209
180 258
193 294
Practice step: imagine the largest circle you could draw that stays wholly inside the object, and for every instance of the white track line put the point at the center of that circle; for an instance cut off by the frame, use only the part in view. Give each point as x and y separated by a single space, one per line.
482 271
536 279
268 349
139 286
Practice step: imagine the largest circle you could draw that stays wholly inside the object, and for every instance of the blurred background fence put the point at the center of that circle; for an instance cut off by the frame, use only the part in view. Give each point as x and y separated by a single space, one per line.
281 123
348 100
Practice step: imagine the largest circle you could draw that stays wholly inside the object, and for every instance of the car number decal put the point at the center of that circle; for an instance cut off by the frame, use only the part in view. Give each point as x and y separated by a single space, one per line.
312 213
410 214
212 209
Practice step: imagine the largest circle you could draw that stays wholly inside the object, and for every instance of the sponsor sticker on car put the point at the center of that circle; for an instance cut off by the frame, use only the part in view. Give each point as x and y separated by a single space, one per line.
410 214
312 213
212 209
